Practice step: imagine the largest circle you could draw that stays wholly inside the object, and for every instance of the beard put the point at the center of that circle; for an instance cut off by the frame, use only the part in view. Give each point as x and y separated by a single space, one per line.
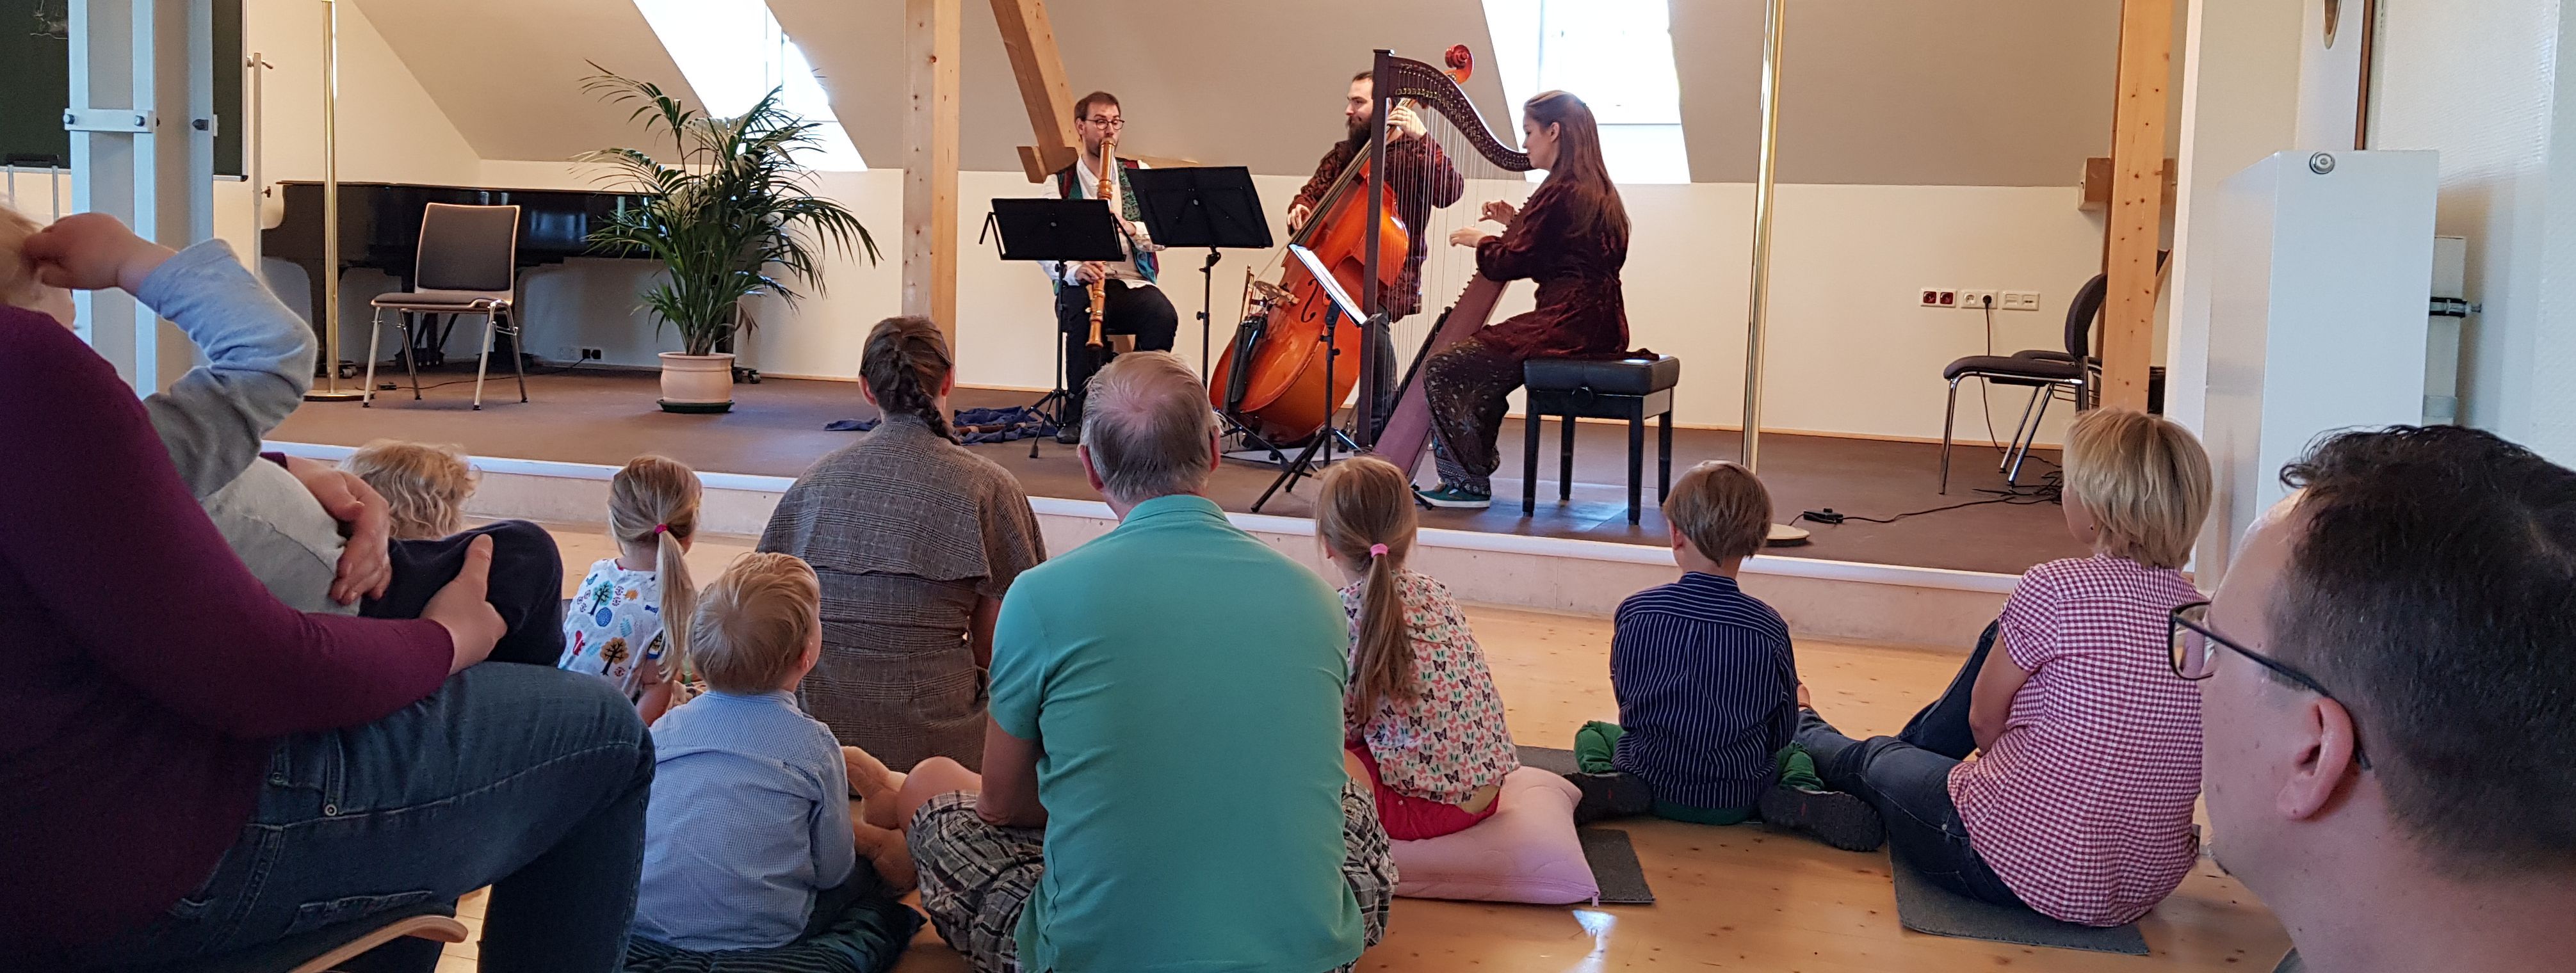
1355 131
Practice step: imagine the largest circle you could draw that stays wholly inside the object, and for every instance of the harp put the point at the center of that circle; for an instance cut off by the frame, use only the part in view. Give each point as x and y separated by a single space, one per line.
1493 168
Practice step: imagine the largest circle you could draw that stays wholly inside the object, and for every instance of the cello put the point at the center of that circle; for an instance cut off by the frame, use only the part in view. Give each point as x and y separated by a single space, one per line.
1276 367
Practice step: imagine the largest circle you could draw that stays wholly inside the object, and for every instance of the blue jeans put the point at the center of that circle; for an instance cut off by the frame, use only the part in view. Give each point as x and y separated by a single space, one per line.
1907 778
529 779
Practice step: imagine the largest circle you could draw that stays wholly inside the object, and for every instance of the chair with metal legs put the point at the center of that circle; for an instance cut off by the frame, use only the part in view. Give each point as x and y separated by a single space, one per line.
2044 372
468 265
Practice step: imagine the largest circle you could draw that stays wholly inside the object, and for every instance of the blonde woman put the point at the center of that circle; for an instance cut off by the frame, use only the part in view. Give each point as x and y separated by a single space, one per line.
2080 803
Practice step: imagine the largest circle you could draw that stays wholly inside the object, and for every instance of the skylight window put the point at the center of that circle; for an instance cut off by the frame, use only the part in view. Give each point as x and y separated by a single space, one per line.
1617 55
733 52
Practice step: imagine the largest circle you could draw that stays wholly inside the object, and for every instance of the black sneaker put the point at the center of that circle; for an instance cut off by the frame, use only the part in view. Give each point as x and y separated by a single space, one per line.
1611 795
1456 498
1836 818
1069 434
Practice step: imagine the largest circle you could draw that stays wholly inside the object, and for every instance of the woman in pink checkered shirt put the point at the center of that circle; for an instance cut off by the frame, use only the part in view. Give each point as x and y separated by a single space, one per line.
2079 802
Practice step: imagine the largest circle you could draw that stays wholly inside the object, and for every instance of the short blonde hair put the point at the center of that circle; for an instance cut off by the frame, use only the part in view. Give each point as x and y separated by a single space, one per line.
1148 427
425 485
18 286
1721 509
751 627
2144 479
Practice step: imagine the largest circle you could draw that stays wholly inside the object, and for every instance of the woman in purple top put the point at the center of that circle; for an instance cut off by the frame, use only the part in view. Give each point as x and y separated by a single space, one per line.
189 768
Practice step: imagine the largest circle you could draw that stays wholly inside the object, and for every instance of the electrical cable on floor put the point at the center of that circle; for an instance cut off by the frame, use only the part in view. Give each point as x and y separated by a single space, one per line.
2049 489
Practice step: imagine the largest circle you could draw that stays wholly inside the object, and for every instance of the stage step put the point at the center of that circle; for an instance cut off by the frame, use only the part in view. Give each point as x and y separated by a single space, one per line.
1839 600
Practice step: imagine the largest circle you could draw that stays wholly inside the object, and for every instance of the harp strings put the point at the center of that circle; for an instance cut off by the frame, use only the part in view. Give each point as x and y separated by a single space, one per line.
1446 269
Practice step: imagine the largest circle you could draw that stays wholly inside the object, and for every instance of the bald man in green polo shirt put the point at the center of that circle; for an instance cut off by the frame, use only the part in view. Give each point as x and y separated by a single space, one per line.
1163 784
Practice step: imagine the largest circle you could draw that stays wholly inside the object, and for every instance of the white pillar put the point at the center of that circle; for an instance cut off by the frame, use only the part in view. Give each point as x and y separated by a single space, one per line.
142 122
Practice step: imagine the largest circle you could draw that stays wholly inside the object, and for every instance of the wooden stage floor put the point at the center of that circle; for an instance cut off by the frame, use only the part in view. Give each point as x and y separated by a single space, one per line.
776 429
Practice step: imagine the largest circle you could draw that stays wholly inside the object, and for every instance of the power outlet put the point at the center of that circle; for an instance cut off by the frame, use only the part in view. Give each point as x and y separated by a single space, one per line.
1979 300
593 354
2020 301
1938 297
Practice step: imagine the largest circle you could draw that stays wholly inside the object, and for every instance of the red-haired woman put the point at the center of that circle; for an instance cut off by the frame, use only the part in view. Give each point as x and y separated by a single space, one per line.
1571 237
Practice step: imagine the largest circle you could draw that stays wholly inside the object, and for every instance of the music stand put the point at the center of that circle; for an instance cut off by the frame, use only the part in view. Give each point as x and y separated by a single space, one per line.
1058 230
1340 306
1202 206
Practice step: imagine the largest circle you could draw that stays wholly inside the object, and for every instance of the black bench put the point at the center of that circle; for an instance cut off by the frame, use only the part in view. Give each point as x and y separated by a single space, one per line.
1634 389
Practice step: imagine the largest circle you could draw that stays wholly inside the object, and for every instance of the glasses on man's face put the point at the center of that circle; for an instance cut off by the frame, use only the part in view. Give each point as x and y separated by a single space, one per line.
2194 646
1109 123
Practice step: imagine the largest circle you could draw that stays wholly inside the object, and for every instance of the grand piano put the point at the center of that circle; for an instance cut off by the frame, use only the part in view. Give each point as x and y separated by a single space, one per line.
380 228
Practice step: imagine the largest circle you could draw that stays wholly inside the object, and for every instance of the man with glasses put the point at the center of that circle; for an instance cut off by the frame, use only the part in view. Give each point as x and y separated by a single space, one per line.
1133 305
2388 696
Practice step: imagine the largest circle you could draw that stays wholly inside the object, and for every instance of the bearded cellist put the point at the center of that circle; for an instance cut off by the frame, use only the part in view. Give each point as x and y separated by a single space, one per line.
1131 304
1423 178
1571 238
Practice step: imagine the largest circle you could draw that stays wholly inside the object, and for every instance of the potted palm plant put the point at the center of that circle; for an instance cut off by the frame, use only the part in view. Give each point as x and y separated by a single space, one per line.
731 215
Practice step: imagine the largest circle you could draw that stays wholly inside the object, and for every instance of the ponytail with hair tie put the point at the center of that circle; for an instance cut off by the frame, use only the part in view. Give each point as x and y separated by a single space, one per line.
1364 514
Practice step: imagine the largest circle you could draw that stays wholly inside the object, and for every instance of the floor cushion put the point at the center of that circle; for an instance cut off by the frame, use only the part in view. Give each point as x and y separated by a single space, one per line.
1526 852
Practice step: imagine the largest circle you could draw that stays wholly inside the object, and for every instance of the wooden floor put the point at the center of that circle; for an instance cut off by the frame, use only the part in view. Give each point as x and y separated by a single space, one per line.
1738 897
776 429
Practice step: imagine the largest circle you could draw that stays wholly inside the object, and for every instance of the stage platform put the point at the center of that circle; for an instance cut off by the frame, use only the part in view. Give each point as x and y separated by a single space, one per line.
776 429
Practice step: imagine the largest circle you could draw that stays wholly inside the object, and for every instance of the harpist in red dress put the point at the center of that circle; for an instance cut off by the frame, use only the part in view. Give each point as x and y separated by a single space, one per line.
1571 237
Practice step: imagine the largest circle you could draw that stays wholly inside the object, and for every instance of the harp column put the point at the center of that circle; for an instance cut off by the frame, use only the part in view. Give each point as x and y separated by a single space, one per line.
1758 314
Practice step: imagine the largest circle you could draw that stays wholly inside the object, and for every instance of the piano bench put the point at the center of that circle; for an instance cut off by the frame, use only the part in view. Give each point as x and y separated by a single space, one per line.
1634 389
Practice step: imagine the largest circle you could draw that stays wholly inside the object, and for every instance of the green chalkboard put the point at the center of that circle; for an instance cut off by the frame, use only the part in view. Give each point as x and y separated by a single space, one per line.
35 83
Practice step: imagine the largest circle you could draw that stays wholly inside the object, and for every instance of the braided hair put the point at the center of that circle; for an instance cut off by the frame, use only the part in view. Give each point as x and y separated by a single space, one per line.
905 363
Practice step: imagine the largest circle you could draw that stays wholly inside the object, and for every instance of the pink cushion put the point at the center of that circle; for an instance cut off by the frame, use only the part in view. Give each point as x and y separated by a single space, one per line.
1526 852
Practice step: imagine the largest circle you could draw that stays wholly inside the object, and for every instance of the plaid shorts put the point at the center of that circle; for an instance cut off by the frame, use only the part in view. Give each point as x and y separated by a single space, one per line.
976 877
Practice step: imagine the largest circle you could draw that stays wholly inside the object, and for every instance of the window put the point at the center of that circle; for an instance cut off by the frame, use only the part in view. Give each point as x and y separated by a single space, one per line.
1618 56
733 52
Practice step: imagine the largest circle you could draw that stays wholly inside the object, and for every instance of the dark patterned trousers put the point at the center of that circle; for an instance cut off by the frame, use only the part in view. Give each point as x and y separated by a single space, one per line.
1468 385
977 877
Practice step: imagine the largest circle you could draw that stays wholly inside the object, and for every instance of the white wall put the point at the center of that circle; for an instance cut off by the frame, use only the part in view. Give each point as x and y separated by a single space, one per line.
1850 349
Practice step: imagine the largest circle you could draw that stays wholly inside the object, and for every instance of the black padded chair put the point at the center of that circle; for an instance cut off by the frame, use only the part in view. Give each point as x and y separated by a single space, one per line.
1635 389
468 265
2043 371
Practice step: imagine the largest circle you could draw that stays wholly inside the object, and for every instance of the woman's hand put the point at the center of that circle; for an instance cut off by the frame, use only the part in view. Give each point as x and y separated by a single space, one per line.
92 251
463 608
1501 212
1468 236
365 519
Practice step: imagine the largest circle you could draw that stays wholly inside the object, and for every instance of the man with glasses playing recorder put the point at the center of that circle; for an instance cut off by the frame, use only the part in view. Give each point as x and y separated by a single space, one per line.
1131 304
2388 694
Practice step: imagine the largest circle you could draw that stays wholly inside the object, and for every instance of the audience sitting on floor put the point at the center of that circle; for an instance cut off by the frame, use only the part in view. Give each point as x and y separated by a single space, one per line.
1163 785
748 841
425 487
1422 720
916 540
2385 680
196 768
629 620
2079 804
1707 686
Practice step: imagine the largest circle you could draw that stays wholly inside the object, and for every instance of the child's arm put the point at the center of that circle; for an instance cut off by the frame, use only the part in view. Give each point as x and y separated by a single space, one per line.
259 355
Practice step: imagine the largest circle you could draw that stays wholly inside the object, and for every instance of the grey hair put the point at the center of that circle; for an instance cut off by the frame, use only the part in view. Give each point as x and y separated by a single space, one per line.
1148 428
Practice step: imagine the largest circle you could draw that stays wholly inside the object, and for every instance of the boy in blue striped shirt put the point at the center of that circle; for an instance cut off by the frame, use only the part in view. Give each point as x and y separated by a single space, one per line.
1708 687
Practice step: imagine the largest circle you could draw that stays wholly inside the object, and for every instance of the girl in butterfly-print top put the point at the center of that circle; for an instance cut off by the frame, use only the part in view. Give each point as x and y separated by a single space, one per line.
629 620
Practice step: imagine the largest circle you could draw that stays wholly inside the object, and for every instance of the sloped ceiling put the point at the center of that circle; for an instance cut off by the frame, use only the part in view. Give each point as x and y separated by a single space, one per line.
1956 92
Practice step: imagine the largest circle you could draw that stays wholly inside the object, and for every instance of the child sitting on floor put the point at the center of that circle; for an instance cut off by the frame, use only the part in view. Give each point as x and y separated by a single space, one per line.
629 621
424 485
1422 722
748 842
1708 687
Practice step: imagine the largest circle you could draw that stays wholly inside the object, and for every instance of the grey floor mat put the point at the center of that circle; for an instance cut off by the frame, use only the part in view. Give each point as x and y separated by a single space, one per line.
1614 867
1549 759
1928 908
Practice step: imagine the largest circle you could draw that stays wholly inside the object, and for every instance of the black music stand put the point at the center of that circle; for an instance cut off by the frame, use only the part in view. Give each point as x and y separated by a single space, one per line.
1340 305
1060 230
1204 206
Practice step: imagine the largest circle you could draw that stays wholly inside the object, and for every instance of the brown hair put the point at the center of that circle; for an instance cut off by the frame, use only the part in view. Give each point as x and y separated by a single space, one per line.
1082 108
654 500
1369 75
754 622
1148 428
905 362
18 286
1365 501
1580 167
425 485
1721 509
2144 479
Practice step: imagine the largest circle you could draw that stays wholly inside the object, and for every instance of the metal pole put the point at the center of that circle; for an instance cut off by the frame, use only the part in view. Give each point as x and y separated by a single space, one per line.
256 67
1762 191
328 315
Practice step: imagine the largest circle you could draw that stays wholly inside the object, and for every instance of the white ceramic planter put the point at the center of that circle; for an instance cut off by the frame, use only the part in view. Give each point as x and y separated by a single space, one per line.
697 383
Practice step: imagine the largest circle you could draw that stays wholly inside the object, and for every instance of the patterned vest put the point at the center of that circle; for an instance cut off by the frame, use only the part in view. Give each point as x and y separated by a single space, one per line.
1065 186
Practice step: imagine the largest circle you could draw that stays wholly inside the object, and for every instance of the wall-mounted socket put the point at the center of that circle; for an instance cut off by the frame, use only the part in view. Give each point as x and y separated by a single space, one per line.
2019 301
593 354
1938 297
1979 300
